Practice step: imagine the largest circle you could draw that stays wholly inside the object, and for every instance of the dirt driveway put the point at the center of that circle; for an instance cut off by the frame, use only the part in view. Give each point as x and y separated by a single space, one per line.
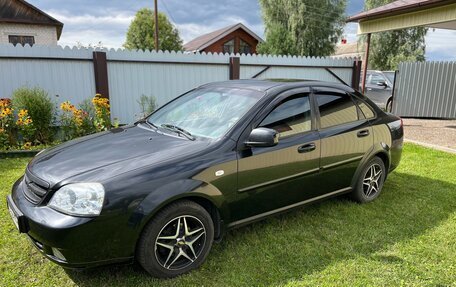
439 134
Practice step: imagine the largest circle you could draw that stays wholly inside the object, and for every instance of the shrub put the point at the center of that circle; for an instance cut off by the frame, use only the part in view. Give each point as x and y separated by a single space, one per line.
26 128
102 114
74 122
40 108
6 124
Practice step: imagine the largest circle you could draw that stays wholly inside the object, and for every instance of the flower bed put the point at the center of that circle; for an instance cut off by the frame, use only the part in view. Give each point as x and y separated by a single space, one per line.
19 131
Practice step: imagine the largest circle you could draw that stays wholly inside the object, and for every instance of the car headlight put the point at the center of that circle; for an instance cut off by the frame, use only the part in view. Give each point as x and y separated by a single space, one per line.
83 199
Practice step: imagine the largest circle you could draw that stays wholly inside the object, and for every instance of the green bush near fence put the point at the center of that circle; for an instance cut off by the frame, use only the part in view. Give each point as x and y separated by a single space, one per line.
40 108
33 120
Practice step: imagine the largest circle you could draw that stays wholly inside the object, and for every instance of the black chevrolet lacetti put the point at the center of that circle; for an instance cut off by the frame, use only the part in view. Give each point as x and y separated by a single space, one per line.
223 155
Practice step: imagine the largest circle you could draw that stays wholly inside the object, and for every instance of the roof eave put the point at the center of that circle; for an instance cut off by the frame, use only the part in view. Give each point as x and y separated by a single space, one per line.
363 16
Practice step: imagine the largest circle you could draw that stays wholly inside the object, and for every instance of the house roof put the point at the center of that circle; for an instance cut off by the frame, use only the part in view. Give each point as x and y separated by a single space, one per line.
397 7
203 41
22 12
349 48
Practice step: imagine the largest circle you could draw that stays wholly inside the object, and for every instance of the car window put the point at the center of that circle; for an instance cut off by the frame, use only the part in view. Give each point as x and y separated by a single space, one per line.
336 109
374 79
390 76
290 117
207 112
365 109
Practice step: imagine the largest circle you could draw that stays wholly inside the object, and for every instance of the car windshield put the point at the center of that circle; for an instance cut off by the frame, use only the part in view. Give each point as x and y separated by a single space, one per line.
206 112
390 76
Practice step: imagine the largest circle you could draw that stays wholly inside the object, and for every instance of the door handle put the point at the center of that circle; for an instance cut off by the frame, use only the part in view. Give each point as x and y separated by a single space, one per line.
307 148
363 133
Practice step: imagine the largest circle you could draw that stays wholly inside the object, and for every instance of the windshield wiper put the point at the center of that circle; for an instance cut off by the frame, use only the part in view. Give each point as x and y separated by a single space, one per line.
145 121
179 130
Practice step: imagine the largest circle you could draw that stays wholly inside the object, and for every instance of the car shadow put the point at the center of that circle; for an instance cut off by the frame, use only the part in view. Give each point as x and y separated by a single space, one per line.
287 247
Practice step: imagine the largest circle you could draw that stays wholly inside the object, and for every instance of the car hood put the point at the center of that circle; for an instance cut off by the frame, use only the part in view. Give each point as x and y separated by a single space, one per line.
104 155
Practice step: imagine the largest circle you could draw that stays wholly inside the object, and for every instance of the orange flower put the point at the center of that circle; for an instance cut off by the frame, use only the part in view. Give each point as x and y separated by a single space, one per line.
27 145
22 113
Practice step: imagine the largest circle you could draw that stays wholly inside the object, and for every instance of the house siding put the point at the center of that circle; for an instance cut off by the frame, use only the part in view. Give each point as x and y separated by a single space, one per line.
44 35
217 47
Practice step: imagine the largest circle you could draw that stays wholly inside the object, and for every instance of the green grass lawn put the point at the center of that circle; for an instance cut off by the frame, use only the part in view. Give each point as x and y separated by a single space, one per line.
407 237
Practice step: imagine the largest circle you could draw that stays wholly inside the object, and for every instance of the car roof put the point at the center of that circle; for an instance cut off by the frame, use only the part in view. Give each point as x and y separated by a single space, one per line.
279 84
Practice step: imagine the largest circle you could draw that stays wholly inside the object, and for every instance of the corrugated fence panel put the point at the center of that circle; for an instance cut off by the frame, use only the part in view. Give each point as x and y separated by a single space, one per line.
426 90
162 75
69 73
292 67
48 68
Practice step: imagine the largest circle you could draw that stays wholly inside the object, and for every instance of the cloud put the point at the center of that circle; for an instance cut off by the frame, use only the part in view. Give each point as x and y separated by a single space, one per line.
90 21
441 44
90 29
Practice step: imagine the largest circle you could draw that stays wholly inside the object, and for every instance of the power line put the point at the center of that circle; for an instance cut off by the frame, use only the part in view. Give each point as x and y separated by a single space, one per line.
169 13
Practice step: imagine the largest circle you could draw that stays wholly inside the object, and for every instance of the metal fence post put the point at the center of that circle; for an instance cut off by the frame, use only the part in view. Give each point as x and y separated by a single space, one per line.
356 74
235 68
100 68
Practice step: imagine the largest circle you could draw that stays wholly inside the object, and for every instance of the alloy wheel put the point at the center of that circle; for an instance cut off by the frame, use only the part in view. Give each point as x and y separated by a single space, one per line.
180 242
372 180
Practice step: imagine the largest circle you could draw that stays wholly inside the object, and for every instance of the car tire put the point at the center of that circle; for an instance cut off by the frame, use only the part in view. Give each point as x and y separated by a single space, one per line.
176 241
370 181
389 106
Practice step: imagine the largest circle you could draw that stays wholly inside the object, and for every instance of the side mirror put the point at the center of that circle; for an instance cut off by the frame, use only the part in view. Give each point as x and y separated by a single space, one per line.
382 84
263 137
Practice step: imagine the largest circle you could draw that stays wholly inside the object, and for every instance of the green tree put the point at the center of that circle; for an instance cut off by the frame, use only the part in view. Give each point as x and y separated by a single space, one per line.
390 48
302 27
140 34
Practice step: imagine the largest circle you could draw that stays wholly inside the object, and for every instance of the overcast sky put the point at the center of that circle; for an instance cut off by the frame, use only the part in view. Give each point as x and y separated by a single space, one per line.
92 21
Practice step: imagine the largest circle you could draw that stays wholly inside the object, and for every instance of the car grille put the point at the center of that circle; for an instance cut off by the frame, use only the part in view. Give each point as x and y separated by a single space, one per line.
34 189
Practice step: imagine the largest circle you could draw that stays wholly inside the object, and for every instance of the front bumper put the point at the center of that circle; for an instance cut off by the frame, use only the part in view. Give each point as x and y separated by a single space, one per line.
72 242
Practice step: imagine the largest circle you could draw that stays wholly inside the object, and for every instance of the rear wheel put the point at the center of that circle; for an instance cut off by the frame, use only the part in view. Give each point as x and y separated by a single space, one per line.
389 106
370 181
176 241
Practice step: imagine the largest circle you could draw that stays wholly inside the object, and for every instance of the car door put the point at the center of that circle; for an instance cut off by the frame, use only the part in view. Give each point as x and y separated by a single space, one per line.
377 92
275 177
346 136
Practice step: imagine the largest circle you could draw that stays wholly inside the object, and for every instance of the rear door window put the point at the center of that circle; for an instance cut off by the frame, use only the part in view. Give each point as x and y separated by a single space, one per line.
335 109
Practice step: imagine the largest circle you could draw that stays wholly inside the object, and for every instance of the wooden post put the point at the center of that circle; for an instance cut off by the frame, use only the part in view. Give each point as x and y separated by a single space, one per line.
156 24
235 68
356 74
366 60
100 68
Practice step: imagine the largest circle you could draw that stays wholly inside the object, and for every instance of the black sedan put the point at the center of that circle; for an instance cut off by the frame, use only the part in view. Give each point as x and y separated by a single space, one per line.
223 155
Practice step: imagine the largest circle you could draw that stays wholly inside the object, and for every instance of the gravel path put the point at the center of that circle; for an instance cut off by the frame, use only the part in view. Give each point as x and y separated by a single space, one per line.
433 132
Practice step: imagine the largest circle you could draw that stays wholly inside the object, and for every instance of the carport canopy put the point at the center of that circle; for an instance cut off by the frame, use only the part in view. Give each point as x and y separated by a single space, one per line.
403 14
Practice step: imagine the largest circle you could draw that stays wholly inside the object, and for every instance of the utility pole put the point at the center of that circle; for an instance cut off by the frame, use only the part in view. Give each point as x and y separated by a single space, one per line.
156 24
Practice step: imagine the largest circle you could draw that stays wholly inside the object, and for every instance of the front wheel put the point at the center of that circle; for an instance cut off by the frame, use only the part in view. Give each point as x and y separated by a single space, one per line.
176 241
370 181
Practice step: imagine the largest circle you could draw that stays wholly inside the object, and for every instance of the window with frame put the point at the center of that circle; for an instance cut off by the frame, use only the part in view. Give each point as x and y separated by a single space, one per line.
228 47
22 40
336 109
290 117
244 48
